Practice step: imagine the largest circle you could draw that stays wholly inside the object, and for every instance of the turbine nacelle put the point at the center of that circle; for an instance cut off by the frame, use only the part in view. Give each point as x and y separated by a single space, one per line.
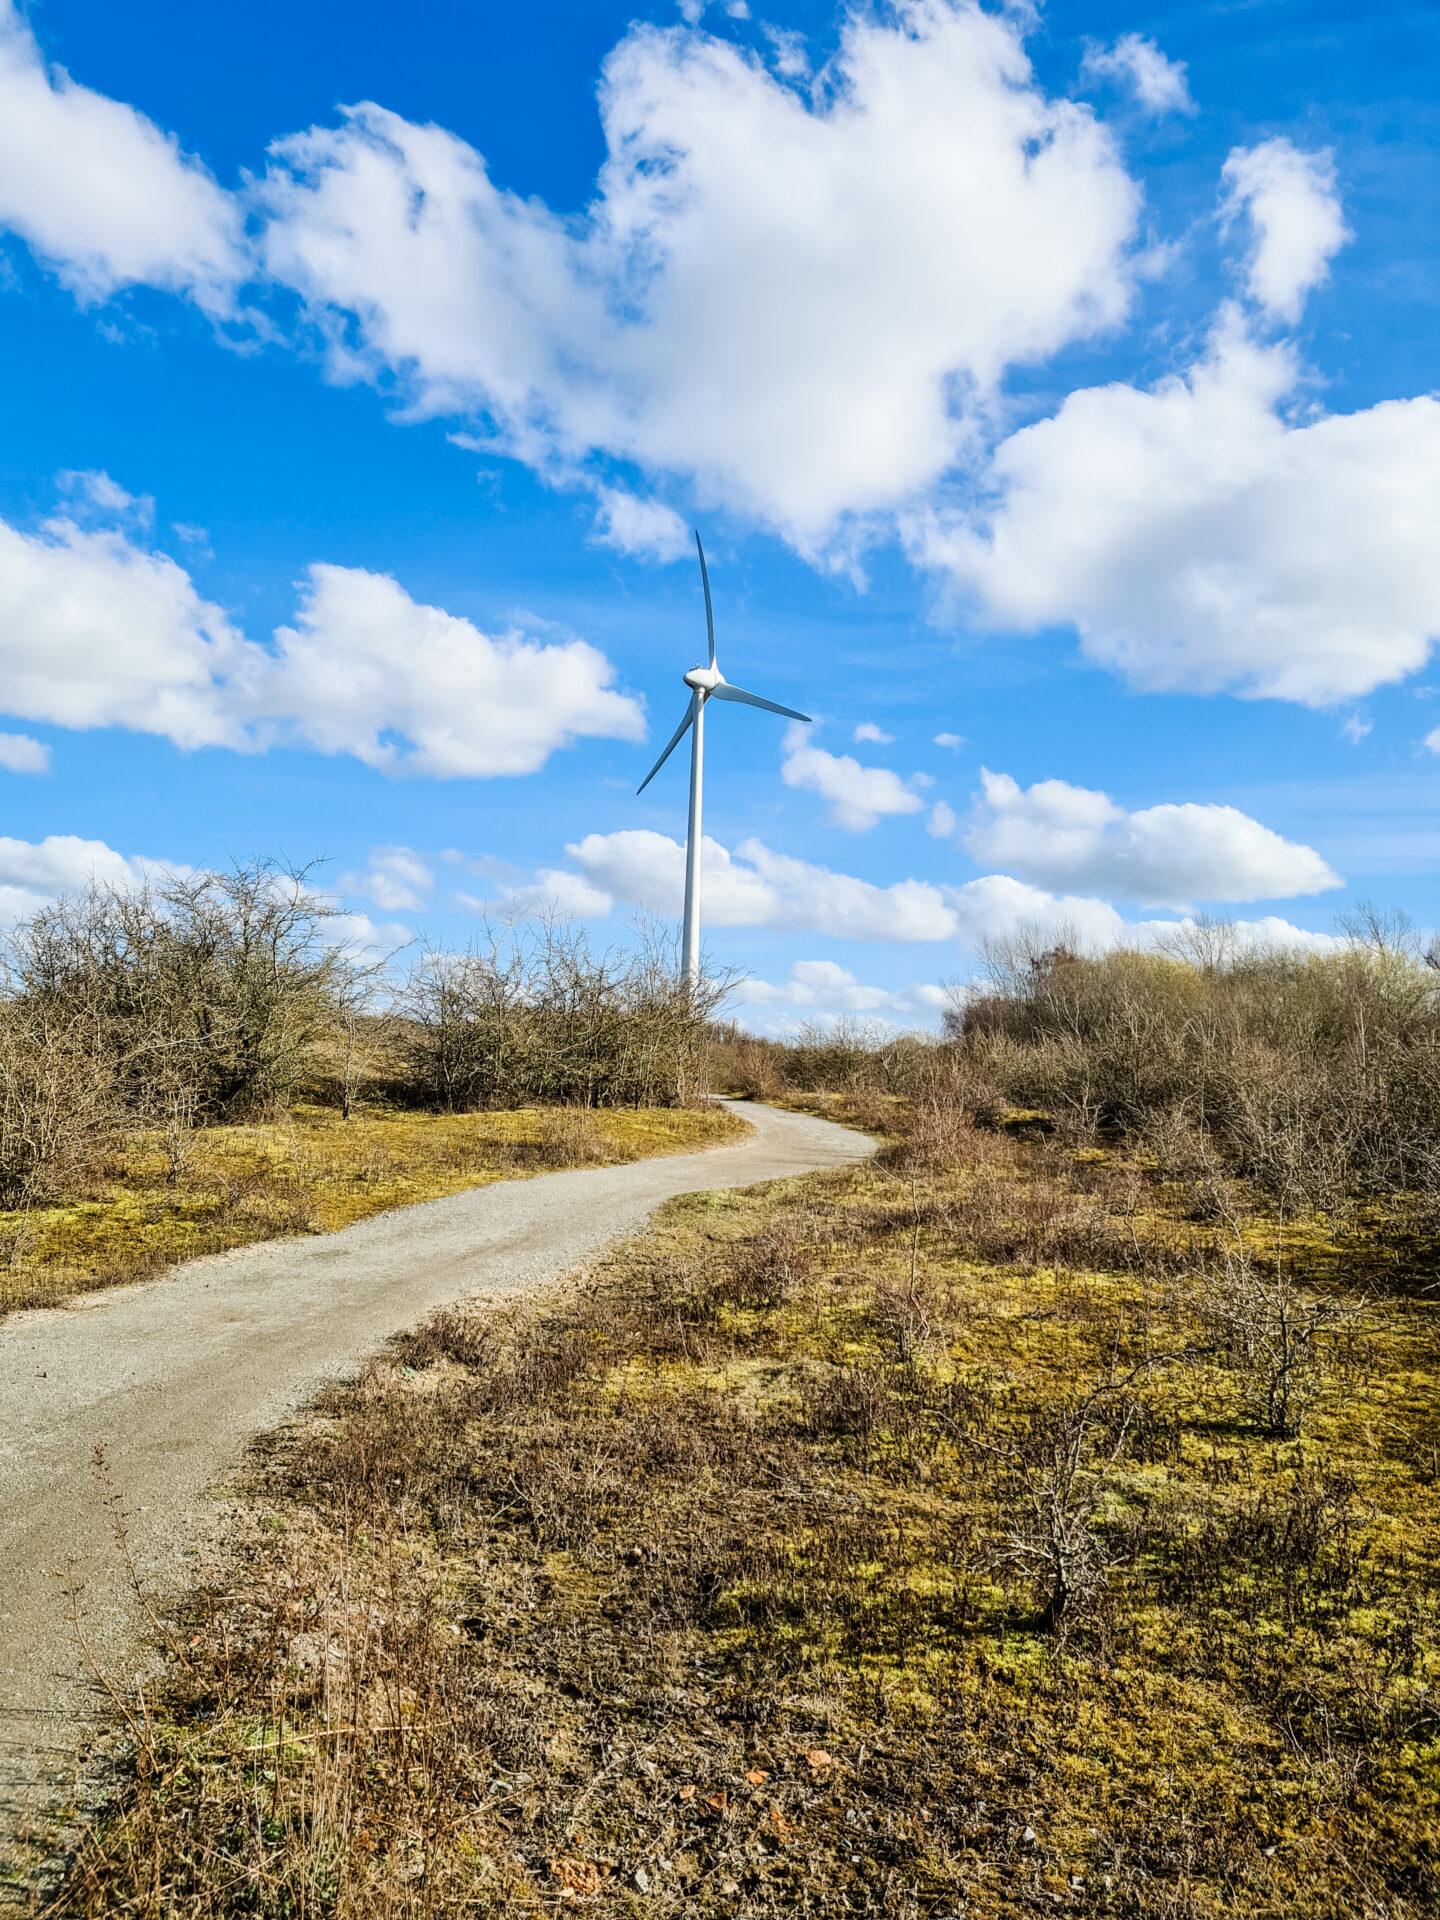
704 679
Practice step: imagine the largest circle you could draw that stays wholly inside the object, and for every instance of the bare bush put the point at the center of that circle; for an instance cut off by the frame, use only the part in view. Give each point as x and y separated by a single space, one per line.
1057 1475
537 1015
1268 1334
1316 1075
59 1116
752 1068
206 993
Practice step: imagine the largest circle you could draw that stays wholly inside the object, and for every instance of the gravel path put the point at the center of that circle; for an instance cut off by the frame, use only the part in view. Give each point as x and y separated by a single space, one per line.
174 1376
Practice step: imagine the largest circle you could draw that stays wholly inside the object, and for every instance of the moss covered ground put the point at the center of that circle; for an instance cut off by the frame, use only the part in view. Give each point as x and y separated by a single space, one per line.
726 1582
312 1173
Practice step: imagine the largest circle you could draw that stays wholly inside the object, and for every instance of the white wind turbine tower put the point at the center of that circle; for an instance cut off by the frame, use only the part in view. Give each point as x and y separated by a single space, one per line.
705 684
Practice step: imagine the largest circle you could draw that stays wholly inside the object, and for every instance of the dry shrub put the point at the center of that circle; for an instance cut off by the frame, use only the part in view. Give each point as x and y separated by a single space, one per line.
206 995
748 1067
568 1138
766 1271
940 1133
1269 1335
536 1015
1317 1075
59 1115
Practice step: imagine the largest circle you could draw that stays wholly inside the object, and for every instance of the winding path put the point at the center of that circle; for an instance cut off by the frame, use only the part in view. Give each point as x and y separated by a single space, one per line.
175 1376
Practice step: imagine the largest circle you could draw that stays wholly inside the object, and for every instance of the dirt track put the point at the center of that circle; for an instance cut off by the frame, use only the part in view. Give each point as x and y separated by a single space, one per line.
174 1376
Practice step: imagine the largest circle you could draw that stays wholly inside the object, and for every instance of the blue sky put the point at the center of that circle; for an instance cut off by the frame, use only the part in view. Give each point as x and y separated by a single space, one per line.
1051 382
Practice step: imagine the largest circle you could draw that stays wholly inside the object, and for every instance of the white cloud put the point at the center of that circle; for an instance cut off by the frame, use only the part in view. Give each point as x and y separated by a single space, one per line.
552 895
102 196
1059 835
32 872
799 302
1199 541
788 52
953 741
20 754
823 987
1295 219
755 887
647 528
410 688
858 796
867 730
397 880
93 491
97 631
942 822
1157 82
998 907
1432 740
358 934
1356 728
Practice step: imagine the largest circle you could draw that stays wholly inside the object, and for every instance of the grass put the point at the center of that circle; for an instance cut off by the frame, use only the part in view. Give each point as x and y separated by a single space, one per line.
312 1174
727 1583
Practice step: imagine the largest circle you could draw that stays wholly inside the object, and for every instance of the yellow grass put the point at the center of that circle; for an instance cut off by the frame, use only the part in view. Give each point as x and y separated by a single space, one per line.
311 1174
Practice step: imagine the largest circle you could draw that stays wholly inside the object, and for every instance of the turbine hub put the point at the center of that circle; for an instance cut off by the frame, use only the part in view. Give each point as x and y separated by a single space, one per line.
704 679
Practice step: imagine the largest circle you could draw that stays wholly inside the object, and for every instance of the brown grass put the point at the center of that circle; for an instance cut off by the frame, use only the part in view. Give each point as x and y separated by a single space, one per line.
733 1582
311 1174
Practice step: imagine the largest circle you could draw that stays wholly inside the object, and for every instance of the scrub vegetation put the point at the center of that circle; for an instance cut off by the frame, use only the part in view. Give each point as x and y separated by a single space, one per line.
1040 1518
203 1062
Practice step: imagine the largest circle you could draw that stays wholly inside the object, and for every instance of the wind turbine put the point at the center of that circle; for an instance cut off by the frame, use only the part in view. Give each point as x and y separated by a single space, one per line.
705 684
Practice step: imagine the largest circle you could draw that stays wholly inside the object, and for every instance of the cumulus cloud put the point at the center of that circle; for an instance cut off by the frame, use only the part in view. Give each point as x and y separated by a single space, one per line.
357 934
802 299
396 879
102 196
1296 224
868 731
797 301
409 688
646 528
942 822
20 754
756 887
858 796
1200 541
953 741
1061 835
32 872
822 986
96 630
552 895
998 907
1157 82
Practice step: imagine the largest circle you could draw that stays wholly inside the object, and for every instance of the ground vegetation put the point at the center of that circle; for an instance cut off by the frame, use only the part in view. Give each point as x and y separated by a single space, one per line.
1014 1524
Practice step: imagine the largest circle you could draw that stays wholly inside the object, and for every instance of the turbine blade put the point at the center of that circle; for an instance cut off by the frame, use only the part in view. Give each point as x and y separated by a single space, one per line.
743 699
675 739
705 582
